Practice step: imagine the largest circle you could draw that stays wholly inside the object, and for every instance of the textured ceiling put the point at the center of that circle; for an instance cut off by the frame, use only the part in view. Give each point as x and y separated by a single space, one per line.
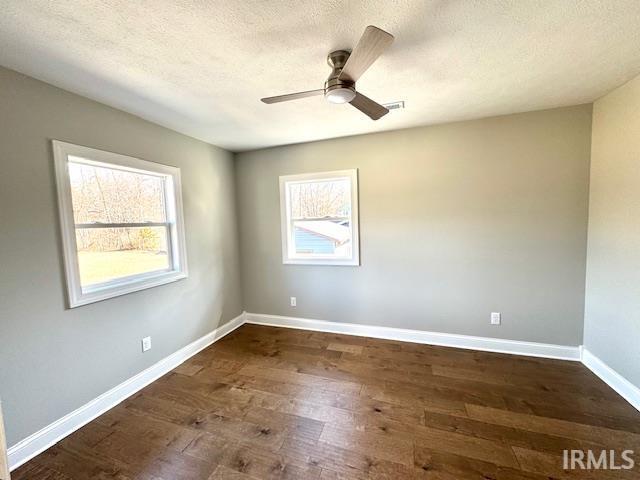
200 67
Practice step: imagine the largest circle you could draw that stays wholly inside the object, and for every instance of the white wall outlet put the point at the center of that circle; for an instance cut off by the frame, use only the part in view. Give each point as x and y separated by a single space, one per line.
146 344
496 318
294 302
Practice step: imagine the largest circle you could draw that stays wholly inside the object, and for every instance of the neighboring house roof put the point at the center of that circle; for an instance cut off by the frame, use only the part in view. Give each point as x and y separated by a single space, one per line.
326 228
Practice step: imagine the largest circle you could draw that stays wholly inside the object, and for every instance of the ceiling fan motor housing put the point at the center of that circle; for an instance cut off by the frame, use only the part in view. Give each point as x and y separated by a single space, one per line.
336 90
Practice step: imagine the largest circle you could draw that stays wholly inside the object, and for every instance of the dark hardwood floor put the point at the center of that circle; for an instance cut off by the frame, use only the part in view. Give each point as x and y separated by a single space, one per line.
271 403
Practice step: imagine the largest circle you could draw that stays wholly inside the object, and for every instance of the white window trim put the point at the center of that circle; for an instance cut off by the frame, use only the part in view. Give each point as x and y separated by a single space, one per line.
287 231
175 218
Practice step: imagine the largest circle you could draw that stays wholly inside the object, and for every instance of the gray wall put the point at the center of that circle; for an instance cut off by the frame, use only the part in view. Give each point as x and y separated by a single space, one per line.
456 221
53 360
612 316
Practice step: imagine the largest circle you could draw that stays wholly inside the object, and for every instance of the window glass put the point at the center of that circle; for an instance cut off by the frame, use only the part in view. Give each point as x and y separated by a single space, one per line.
111 195
321 215
121 220
105 254
319 218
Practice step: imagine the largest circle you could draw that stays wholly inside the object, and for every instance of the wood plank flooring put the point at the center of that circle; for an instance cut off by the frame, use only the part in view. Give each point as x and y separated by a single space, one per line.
272 403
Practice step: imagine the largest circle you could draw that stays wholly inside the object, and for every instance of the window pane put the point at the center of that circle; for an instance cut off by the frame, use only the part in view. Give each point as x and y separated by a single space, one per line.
320 199
111 195
106 254
321 215
322 237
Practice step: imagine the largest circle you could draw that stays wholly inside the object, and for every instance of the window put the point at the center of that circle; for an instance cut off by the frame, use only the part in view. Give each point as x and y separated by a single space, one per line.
121 222
319 215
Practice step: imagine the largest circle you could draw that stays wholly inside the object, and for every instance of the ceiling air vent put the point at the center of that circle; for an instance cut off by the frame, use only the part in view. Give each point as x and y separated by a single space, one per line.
394 105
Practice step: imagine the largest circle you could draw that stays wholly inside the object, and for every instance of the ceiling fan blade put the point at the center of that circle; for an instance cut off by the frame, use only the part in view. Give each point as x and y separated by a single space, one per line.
367 106
370 46
293 96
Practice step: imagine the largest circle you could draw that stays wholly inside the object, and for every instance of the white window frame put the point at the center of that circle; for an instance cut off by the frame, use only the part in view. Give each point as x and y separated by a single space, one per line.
288 243
174 224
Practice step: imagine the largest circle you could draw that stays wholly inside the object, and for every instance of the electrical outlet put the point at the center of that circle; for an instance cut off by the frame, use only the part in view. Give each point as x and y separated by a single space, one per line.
146 344
293 301
496 318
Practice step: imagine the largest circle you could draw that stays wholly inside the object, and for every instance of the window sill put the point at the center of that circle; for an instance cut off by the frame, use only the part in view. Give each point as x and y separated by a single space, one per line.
348 262
98 294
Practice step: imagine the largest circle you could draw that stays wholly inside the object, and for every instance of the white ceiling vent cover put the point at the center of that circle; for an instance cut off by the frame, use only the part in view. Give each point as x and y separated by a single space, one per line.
394 105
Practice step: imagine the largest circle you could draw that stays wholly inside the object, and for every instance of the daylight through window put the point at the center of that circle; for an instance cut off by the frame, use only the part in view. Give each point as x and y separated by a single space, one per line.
319 218
122 223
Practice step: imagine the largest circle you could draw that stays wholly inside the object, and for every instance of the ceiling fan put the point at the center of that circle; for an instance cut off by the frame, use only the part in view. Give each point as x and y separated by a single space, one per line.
347 67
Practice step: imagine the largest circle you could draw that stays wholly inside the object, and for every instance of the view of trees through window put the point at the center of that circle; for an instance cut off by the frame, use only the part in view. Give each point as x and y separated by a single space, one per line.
120 219
321 214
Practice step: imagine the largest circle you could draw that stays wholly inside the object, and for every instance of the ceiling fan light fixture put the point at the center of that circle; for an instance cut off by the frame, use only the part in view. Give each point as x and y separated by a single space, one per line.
346 68
340 95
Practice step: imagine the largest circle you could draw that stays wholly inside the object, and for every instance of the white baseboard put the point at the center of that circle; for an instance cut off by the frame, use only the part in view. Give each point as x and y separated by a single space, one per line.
608 375
36 443
563 352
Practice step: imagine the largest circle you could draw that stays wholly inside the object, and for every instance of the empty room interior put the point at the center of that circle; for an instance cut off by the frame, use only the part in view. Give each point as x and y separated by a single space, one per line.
332 240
